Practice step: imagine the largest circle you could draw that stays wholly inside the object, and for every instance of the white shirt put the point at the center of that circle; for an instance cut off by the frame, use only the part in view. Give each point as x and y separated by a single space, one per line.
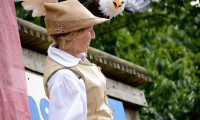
66 88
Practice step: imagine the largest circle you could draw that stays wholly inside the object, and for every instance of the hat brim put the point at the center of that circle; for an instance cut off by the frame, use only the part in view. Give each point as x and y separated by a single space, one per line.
59 27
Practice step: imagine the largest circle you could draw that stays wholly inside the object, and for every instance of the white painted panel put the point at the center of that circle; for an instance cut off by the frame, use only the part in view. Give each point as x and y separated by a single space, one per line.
36 91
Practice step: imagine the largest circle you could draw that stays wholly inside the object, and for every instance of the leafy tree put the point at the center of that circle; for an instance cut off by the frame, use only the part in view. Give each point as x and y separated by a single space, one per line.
166 41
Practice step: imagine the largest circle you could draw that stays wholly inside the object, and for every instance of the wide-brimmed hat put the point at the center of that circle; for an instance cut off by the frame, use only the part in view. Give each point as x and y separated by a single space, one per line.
68 16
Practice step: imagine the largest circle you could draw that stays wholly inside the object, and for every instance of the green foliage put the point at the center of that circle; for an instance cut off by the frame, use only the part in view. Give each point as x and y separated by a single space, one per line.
166 41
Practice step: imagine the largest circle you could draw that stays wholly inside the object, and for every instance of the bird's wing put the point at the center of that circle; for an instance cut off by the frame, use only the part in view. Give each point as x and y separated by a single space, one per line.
93 7
37 6
133 6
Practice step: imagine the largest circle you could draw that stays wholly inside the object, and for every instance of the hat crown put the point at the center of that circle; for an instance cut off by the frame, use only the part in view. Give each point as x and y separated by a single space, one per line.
69 10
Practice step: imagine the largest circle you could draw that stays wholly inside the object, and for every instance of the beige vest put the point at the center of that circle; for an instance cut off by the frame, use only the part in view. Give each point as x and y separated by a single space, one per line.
95 83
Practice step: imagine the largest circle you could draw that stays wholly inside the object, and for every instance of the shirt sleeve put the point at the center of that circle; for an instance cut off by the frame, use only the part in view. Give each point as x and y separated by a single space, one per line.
67 96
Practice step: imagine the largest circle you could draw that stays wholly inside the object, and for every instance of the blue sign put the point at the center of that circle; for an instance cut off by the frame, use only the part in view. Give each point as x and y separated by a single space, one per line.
118 107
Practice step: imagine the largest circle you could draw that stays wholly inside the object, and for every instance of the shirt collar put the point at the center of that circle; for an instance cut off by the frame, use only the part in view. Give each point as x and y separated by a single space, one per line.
65 58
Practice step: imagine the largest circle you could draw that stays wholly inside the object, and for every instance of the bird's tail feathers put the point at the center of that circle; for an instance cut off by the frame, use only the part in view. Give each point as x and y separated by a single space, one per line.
133 6
37 6
138 2
144 6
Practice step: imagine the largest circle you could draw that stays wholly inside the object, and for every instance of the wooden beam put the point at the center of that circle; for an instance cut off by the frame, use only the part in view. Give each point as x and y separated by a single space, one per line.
33 61
126 93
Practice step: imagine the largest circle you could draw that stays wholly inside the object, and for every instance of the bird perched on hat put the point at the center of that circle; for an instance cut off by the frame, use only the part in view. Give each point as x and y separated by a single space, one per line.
100 8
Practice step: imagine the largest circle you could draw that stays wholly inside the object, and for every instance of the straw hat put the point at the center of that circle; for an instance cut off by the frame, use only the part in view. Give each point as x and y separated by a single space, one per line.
68 16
